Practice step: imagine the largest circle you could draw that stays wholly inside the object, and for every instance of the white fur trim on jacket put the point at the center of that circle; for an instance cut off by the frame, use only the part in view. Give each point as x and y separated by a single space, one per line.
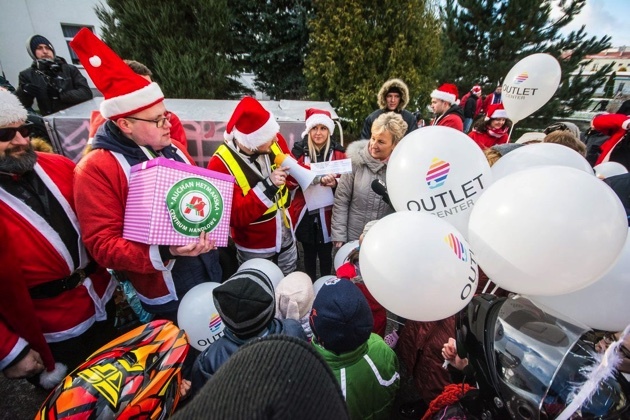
132 102
448 97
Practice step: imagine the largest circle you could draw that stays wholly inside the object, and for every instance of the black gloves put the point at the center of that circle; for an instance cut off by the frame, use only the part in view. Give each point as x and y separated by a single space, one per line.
32 90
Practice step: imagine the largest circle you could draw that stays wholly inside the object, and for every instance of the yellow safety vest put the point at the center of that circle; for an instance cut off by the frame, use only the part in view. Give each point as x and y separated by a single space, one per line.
245 182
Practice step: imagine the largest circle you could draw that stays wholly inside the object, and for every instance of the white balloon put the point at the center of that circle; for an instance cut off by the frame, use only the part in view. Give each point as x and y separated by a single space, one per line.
604 304
438 170
198 316
418 266
343 252
539 154
548 230
606 169
268 267
529 85
320 282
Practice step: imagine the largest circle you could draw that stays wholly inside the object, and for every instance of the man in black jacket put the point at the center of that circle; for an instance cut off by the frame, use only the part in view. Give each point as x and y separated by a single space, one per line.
54 83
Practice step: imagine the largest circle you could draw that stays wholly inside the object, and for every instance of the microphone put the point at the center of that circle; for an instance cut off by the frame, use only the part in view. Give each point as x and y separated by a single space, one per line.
379 188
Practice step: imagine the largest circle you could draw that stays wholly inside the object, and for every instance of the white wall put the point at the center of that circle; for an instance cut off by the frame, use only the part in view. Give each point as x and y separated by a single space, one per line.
23 18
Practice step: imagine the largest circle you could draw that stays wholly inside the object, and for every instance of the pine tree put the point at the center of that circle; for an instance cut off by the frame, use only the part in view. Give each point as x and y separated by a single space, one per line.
483 39
272 36
356 45
185 43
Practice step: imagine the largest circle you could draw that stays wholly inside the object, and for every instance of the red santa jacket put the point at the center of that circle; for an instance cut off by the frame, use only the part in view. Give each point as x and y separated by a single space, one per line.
614 125
101 184
32 253
256 225
485 140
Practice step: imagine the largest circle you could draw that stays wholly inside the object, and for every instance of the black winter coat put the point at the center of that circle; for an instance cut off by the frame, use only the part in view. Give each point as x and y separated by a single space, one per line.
54 91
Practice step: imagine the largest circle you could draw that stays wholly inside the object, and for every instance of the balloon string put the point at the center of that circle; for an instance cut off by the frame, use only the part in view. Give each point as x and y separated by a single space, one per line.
397 322
495 289
601 372
510 133
485 288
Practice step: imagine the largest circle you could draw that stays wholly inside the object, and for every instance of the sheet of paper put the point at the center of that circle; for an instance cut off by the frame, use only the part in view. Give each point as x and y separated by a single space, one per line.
318 196
343 166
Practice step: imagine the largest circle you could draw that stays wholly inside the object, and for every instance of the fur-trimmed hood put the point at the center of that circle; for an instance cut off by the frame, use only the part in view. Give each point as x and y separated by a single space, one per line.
404 99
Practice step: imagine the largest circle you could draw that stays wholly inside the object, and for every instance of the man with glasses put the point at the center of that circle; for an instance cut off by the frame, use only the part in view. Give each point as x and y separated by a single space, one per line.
137 130
54 300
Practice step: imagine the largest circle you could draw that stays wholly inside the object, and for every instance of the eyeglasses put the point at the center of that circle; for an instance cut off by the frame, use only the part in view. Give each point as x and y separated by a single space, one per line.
8 134
159 123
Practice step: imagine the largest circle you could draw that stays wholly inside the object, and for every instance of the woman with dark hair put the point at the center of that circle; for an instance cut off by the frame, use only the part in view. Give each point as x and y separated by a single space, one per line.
493 129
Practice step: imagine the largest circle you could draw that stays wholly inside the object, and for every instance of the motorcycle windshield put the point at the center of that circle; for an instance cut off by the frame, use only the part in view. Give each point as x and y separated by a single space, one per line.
541 359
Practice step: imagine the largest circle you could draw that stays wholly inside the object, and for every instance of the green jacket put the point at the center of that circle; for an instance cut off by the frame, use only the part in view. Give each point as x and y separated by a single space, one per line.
368 377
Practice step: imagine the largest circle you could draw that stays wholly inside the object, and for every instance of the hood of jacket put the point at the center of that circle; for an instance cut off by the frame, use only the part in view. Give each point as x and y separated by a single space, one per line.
454 109
359 155
382 94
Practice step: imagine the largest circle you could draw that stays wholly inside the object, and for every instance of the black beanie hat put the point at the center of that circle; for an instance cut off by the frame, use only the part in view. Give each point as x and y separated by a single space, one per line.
34 41
394 89
246 302
341 318
275 377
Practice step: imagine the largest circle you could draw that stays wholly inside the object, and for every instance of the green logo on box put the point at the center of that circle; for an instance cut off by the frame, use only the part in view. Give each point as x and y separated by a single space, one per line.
194 205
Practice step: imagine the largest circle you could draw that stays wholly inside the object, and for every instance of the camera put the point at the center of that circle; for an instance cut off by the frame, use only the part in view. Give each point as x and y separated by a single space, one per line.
49 67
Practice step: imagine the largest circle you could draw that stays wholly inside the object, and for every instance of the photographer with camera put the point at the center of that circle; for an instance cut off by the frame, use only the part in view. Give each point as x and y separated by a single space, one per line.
54 83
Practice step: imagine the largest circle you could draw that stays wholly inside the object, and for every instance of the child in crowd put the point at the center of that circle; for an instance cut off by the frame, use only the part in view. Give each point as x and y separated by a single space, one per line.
294 299
364 365
246 304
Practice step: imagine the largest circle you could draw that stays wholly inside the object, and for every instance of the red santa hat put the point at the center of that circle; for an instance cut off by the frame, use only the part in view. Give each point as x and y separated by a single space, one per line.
476 90
496 111
125 92
251 124
447 92
315 117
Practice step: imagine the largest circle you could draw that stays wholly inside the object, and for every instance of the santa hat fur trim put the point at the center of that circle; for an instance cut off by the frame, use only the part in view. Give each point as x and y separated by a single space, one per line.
316 117
447 92
11 110
132 102
496 111
251 124
50 379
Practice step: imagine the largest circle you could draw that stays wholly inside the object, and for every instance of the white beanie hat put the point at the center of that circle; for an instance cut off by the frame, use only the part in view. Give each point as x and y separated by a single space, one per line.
294 296
11 110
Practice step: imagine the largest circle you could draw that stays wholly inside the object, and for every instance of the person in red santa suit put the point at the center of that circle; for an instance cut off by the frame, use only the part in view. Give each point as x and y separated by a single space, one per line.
617 147
493 129
260 222
53 297
137 130
444 104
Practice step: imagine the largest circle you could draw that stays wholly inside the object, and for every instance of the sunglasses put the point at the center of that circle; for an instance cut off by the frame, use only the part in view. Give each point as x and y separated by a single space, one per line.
8 134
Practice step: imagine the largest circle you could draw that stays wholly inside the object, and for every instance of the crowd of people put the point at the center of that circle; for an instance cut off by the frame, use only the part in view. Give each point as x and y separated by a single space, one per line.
58 308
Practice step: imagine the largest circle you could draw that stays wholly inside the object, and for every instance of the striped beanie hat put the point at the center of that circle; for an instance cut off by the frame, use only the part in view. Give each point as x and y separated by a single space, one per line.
246 302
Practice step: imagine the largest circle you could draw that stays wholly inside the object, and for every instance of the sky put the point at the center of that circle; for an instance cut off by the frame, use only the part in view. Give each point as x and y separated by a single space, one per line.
605 17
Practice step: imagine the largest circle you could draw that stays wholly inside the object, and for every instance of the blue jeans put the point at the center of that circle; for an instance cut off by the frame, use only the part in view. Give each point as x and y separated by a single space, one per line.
467 123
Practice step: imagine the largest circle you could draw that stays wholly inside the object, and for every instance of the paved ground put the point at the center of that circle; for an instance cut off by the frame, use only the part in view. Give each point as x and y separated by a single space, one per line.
21 400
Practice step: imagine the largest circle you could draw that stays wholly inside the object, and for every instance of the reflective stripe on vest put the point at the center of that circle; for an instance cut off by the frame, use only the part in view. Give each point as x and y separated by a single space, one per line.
226 155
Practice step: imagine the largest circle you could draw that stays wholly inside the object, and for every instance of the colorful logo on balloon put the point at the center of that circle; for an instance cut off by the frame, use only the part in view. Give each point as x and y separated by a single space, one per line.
215 323
456 245
438 172
521 78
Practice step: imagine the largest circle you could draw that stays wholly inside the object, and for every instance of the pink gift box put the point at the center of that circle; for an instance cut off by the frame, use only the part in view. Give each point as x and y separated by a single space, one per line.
170 203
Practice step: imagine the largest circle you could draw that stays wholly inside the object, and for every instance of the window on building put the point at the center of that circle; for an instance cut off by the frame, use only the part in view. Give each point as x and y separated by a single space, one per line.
595 67
69 31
